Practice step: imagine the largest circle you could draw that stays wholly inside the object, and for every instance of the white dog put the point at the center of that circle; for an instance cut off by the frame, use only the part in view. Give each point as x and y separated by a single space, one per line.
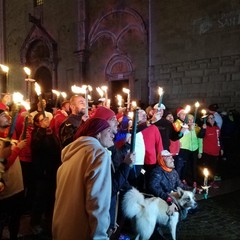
147 212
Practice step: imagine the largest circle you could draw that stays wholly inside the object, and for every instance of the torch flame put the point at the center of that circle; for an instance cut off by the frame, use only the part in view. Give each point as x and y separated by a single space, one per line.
160 91
27 71
126 90
56 92
100 91
64 95
37 88
26 104
76 89
104 88
187 109
197 104
119 98
134 104
205 172
130 115
90 88
4 68
17 97
204 111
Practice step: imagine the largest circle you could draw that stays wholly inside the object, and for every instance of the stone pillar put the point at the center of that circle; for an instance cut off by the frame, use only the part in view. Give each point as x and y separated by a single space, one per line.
81 41
151 84
3 76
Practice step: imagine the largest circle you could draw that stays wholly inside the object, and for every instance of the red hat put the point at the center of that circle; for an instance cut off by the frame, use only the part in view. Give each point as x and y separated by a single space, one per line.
179 110
91 127
3 106
104 113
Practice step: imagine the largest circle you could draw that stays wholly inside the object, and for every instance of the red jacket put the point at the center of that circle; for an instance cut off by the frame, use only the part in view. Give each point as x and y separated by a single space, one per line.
153 144
211 143
57 120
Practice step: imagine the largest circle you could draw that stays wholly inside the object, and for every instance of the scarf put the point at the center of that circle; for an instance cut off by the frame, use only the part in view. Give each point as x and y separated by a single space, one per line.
162 164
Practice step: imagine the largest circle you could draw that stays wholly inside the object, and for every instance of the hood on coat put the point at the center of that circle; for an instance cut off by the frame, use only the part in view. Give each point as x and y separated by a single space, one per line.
77 145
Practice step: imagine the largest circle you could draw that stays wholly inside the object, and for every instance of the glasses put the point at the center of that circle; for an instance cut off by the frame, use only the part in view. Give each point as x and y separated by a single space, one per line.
211 118
7 144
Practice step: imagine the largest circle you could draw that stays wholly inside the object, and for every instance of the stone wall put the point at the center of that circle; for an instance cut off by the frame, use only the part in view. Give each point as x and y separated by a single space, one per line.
190 48
212 80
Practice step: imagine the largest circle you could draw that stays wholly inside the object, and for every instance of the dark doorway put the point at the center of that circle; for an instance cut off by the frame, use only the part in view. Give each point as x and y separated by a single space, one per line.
3 79
116 88
44 78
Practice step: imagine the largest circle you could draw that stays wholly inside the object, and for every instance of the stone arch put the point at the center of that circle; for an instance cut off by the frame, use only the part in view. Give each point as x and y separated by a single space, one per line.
100 27
117 61
119 66
40 50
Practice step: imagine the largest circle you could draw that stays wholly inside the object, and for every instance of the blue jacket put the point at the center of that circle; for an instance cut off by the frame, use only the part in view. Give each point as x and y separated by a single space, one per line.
161 183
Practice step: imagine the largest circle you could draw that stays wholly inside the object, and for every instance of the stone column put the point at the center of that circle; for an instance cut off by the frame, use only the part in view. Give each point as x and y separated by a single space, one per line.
81 41
2 32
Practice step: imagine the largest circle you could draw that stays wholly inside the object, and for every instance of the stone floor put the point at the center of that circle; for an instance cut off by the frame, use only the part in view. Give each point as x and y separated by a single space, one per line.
216 218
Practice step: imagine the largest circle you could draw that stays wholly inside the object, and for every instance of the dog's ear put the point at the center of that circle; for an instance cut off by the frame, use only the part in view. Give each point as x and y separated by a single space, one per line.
180 191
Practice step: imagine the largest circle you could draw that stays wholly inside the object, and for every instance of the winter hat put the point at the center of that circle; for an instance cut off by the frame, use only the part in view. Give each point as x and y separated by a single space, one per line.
3 106
179 110
166 113
142 115
161 162
165 153
213 107
161 107
92 127
104 113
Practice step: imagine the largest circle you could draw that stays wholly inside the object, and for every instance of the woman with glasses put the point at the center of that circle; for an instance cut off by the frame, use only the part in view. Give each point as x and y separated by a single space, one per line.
46 158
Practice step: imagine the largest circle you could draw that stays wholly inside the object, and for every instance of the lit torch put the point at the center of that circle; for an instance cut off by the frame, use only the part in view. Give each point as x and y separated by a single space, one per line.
126 90
204 116
196 109
57 96
17 99
205 186
105 90
160 92
119 99
38 91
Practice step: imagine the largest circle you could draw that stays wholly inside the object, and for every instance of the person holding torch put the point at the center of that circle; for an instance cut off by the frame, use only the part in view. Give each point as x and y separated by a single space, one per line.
70 125
212 146
122 161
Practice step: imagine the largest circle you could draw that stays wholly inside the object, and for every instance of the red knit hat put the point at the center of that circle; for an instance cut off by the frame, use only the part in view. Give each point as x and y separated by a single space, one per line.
104 113
91 127
3 106
179 110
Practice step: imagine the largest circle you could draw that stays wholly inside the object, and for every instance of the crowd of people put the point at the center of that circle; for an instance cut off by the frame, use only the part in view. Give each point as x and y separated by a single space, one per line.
69 168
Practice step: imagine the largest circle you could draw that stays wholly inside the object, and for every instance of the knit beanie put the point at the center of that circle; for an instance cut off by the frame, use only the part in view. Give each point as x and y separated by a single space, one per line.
104 113
161 162
179 110
91 127
3 106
